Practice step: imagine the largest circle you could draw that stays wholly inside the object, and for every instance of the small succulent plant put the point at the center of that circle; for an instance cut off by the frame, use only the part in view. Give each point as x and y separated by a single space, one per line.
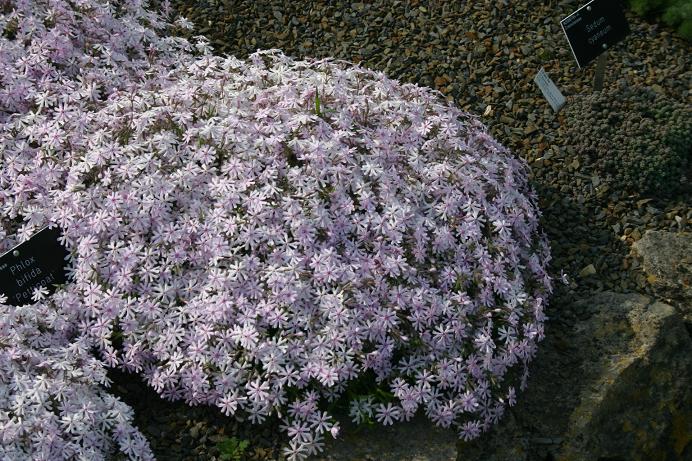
636 140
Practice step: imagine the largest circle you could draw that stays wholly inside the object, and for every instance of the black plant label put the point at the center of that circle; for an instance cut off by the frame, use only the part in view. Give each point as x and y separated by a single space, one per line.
594 28
41 261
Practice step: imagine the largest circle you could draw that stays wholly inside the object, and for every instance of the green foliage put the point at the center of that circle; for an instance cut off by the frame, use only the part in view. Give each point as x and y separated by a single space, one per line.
679 15
232 449
675 13
317 101
318 104
649 7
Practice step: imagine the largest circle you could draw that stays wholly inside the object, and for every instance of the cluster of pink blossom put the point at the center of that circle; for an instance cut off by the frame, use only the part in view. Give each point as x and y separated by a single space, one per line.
59 57
255 254
52 402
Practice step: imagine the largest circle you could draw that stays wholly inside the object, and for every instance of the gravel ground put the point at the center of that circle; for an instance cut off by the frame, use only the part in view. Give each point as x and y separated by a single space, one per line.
478 54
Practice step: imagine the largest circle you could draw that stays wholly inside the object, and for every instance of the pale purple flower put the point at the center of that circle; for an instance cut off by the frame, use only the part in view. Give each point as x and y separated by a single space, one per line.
387 414
468 402
470 430
511 396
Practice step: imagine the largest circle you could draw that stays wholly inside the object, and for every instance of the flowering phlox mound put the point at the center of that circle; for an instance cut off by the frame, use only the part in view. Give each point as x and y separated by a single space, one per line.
258 235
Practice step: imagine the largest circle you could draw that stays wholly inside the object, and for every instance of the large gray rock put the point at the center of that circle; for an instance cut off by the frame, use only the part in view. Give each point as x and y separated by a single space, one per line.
667 261
613 383
415 440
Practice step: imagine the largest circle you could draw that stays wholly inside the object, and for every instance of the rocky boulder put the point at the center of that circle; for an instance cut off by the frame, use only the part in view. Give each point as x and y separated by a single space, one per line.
667 262
610 382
